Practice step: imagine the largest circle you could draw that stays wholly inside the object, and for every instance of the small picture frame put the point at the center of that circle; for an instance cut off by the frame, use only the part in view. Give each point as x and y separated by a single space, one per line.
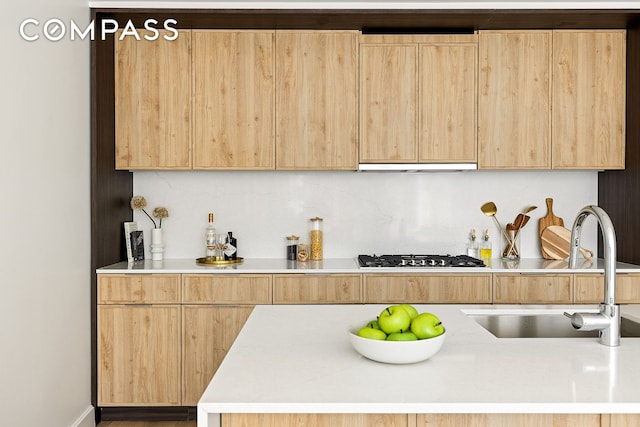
137 245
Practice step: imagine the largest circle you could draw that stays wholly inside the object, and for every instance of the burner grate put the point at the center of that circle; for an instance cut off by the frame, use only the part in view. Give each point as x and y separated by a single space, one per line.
411 260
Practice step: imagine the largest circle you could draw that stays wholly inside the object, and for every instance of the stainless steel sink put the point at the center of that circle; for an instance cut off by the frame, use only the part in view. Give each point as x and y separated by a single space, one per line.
548 325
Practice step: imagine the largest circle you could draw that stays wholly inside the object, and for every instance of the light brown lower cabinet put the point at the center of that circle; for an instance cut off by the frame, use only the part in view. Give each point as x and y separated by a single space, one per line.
427 288
522 288
317 289
318 420
589 288
138 338
209 332
431 420
138 355
215 308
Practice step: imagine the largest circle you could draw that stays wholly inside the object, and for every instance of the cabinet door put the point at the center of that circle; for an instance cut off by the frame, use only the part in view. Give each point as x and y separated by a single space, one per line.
227 289
319 420
233 115
589 288
448 103
589 81
514 106
532 288
316 99
138 355
508 420
153 102
388 103
316 289
208 333
427 288
138 288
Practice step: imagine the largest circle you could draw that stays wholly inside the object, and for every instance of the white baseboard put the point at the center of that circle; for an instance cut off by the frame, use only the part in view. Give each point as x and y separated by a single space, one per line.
87 419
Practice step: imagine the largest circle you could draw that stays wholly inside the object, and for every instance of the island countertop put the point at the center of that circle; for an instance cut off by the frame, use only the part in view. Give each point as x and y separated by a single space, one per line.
298 359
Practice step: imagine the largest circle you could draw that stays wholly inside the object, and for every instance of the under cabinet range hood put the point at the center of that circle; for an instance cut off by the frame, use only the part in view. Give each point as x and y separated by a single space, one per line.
415 167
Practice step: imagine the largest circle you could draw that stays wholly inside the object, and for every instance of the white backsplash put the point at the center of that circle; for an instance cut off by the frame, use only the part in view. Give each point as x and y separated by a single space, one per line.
363 213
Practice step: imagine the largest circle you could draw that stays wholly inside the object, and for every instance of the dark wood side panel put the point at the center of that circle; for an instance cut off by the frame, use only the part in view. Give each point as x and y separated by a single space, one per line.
619 191
110 189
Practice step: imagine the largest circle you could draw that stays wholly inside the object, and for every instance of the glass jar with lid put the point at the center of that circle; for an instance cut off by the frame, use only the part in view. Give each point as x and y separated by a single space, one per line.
316 239
292 247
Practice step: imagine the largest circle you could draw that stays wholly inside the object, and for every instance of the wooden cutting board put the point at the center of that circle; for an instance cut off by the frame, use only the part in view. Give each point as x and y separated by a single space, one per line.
546 221
556 242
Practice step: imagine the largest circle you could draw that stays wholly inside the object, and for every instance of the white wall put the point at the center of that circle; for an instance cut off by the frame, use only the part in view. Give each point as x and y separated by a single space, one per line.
363 212
44 221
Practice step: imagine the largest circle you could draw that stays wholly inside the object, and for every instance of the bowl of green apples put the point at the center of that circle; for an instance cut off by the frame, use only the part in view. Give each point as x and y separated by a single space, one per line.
398 335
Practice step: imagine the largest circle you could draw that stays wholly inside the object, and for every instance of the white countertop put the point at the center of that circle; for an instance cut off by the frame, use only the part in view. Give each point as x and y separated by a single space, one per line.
297 359
350 265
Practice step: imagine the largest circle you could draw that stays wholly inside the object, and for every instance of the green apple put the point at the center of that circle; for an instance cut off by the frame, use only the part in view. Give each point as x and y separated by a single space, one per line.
402 336
427 325
373 324
394 319
413 313
374 334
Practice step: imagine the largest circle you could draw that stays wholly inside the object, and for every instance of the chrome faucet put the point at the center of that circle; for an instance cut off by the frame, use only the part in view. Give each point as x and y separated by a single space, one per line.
607 321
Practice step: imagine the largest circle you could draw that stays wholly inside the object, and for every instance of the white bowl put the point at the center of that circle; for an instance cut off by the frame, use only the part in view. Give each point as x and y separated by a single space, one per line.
397 352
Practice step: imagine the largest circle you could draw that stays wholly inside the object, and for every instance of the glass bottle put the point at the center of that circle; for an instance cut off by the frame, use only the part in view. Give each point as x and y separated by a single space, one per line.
210 240
316 239
472 245
292 247
485 250
231 249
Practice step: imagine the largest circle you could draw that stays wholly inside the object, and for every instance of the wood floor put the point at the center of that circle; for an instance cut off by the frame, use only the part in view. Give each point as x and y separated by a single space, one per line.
148 424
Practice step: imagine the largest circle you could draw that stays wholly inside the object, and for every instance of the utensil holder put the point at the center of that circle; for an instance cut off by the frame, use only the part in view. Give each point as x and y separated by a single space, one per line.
511 248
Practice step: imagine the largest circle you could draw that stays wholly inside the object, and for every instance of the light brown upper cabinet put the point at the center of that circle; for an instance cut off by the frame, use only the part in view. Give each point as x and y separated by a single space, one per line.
316 99
418 98
514 100
589 99
153 102
233 99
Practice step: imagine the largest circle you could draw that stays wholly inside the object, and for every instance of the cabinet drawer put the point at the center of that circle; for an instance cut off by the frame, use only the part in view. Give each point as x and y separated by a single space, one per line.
316 289
138 288
427 288
226 289
589 288
532 288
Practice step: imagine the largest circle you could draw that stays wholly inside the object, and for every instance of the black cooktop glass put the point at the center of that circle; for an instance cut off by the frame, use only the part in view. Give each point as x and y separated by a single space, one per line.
419 261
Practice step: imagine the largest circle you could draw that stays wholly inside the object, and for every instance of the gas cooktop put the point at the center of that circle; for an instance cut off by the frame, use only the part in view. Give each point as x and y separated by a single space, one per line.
409 261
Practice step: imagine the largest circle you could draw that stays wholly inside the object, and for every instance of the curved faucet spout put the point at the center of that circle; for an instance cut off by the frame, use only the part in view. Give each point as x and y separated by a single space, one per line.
608 320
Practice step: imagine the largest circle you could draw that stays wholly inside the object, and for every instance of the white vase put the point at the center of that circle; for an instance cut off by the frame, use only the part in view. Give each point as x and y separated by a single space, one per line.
157 245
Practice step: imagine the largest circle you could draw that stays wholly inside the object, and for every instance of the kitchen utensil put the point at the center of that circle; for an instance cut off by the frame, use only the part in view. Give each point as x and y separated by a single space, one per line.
490 209
521 221
556 241
546 221
511 248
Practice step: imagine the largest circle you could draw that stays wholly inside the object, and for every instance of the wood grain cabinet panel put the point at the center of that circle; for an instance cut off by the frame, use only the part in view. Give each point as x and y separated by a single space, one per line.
138 355
426 86
620 420
427 288
508 420
138 288
589 288
227 289
533 288
153 101
319 420
514 99
316 289
208 333
589 88
388 94
448 102
316 99
233 99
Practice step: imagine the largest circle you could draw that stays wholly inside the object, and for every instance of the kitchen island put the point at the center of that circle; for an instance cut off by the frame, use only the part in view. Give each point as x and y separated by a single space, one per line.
298 360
